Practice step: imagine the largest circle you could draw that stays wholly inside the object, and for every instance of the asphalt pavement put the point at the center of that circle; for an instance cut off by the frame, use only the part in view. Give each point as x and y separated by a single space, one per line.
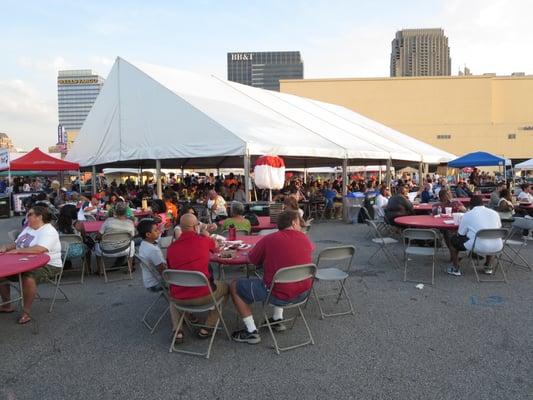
456 340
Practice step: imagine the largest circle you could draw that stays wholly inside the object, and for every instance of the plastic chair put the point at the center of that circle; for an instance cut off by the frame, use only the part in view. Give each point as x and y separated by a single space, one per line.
488 234
344 256
115 245
192 279
414 250
292 274
383 242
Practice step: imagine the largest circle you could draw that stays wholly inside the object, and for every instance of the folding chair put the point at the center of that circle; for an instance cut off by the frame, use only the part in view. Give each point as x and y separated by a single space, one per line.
114 245
57 279
344 256
307 228
192 279
13 234
413 250
165 242
488 234
512 248
163 294
383 242
292 274
74 239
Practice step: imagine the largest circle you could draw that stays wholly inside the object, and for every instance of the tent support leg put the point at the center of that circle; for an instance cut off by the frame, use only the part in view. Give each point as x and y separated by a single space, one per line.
247 187
388 175
158 178
93 179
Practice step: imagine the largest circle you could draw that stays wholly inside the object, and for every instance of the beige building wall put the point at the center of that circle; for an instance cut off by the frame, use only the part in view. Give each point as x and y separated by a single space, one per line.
459 114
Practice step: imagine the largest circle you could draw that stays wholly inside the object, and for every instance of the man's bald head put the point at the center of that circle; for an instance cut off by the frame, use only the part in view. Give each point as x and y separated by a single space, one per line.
188 222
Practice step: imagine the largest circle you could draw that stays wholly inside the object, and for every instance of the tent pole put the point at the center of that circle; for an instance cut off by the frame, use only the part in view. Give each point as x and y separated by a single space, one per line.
93 180
247 187
158 179
388 173
305 176
380 175
79 181
344 177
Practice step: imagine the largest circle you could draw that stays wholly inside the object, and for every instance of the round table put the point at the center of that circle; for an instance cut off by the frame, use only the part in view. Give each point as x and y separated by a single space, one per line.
17 263
264 223
241 256
423 208
92 226
426 222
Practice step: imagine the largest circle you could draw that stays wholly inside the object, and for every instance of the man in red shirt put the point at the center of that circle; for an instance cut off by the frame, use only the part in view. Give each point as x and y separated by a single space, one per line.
190 252
287 247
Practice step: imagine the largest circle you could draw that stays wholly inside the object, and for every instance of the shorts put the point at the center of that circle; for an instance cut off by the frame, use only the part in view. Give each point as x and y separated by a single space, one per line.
458 242
254 291
40 275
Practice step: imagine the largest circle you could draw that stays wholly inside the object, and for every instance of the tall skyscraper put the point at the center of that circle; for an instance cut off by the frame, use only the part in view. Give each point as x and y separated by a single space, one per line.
76 92
420 52
265 69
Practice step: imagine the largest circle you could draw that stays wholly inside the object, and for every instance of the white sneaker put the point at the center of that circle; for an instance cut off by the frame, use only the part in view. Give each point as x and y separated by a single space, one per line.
453 271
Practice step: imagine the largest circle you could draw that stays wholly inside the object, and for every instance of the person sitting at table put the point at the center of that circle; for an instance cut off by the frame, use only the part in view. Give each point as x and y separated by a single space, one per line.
333 208
495 196
240 194
446 200
382 199
211 228
119 223
479 217
191 252
237 218
38 237
526 195
89 208
287 247
399 205
462 190
505 205
216 206
426 194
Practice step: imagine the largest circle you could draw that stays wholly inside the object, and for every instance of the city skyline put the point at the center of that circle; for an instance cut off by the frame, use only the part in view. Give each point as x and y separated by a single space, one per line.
339 39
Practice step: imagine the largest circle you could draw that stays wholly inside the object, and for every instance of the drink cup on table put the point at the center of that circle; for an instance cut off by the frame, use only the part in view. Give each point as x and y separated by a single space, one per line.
448 211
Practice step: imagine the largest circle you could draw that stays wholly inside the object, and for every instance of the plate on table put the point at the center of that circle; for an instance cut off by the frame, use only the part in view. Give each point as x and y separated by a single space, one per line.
244 246
449 222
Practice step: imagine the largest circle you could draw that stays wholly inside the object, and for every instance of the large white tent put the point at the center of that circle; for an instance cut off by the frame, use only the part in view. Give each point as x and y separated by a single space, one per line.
526 165
189 120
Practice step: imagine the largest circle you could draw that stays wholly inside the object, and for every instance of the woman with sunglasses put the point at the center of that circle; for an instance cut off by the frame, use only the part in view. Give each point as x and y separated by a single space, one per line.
39 236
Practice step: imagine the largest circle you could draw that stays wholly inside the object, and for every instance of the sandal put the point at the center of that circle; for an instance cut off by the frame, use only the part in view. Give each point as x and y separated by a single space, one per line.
204 333
24 319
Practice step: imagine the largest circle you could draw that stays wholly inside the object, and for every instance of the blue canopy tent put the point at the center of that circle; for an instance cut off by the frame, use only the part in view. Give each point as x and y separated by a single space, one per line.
480 159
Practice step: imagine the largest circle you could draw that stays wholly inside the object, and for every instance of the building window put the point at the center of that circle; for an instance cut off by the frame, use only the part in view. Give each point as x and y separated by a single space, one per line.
511 136
444 136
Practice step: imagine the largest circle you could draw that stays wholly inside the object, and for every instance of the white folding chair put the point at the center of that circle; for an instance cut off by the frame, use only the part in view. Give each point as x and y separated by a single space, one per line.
56 282
194 279
513 248
429 236
383 243
74 239
163 294
488 234
13 234
114 245
292 274
342 256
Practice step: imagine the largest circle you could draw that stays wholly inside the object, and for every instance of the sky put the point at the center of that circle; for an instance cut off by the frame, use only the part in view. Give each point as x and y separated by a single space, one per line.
336 38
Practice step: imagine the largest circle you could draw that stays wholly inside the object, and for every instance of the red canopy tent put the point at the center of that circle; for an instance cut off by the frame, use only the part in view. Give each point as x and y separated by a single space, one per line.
36 160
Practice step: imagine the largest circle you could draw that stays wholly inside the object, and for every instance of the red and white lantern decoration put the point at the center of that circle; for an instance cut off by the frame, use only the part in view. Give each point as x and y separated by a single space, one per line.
269 172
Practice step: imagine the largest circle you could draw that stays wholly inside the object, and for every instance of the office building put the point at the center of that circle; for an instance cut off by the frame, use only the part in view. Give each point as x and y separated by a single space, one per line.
459 114
420 52
76 92
265 69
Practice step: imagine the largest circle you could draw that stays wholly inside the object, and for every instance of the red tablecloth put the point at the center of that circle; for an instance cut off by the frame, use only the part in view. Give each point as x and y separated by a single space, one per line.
241 256
92 226
264 223
14 264
423 208
426 221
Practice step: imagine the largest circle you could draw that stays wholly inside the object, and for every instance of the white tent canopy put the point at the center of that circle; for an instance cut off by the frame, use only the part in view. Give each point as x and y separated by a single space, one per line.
189 120
527 165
